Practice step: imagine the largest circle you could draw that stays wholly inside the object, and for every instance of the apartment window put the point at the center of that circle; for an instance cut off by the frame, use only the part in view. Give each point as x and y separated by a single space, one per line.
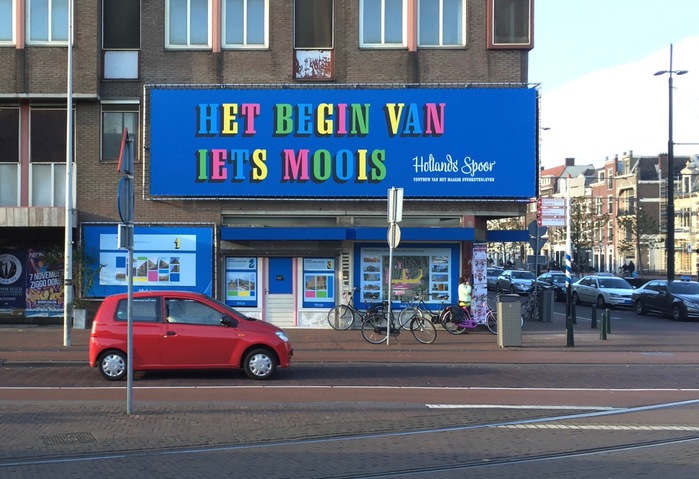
598 206
383 23
9 157
313 39
47 149
188 24
7 21
610 179
47 21
121 38
245 23
441 23
610 205
510 24
114 119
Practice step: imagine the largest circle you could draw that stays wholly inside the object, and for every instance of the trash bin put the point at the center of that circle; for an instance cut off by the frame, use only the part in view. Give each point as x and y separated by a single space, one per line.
546 299
509 320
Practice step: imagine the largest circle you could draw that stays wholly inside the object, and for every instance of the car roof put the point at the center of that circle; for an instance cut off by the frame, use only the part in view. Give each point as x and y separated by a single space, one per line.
159 293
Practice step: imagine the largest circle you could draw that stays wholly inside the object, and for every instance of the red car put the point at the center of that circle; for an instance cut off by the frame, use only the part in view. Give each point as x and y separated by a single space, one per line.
184 330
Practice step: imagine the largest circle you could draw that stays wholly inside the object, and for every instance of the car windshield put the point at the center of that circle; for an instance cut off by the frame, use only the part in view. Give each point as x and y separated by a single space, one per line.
494 272
684 288
558 278
614 283
523 275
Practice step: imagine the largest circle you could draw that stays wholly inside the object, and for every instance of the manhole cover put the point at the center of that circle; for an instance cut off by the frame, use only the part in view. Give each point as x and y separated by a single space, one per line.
69 438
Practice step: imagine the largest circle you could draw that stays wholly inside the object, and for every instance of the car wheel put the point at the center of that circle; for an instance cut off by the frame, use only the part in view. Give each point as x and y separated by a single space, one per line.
576 299
259 364
678 313
112 365
640 309
600 302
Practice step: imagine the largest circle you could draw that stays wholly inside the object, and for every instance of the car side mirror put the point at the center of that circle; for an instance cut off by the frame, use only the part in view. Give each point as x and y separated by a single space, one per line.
229 322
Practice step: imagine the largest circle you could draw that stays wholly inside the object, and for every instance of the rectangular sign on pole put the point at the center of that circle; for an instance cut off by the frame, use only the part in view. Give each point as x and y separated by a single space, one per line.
395 205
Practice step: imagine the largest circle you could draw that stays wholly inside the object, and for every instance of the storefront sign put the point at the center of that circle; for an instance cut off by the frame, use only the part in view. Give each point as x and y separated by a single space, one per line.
321 142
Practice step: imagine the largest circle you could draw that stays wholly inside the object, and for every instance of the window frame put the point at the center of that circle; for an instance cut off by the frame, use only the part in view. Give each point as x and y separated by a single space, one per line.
11 15
245 45
441 44
121 108
189 46
383 43
49 14
491 28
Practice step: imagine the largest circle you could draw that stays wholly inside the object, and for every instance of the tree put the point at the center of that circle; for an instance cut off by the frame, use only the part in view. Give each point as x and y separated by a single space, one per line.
639 228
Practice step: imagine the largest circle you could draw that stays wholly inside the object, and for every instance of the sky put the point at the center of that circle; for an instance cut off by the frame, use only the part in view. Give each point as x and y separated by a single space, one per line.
595 62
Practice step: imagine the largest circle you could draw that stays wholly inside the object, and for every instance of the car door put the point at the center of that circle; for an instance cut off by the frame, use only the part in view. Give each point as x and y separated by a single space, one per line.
587 290
195 335
663 298
148 330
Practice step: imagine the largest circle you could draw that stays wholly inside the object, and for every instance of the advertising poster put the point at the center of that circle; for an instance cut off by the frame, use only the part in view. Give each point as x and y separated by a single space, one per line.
241 281
44 284
165 257
426 271
12 280
330 142
479 302
318 282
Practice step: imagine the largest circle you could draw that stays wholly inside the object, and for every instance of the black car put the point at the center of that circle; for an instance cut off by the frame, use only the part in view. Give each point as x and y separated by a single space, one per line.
555 280
678 299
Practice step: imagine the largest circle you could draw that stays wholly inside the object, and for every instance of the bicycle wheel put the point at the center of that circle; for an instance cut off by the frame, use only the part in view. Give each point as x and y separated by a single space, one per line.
375 329
341 317
449 324
405 316
491 321
423 330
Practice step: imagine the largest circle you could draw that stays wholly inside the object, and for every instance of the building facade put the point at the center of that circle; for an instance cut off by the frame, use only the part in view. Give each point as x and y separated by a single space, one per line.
208 91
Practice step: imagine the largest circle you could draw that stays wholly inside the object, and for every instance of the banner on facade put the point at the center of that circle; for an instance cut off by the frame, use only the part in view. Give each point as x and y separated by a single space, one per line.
332 142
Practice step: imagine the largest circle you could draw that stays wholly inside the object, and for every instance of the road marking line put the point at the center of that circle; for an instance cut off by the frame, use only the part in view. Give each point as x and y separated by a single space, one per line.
600 427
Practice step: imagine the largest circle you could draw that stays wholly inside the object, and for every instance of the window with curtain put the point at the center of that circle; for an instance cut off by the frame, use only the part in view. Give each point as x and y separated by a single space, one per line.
188 24
47 21
382 23
441 23
245 24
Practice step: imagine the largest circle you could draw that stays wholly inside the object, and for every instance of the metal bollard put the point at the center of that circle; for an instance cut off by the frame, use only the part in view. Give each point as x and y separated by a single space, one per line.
609 322
593 321
603 329
572 311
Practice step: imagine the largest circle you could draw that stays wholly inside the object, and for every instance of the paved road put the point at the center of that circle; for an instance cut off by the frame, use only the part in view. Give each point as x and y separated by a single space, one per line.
624 407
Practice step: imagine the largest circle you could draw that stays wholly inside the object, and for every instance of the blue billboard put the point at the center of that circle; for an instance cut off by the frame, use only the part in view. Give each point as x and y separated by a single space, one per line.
164 258
343 143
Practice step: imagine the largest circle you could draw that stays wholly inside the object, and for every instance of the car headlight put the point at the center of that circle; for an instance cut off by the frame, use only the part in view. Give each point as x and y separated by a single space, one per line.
614 295
691 304
282 335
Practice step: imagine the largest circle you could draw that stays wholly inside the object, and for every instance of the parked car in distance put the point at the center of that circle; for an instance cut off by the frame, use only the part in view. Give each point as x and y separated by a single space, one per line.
603 291
492 278
677 299
183 330
556 280
515 281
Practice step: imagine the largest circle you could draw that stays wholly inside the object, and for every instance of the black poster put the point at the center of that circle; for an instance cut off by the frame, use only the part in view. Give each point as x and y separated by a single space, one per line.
13 280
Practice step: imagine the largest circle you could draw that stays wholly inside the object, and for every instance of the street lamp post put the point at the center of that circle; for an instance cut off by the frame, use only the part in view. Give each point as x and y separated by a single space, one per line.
670 176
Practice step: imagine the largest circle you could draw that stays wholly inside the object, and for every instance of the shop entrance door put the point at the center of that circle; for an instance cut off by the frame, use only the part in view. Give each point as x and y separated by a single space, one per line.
280 292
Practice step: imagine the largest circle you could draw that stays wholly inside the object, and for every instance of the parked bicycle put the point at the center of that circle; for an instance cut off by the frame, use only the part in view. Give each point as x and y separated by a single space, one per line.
376 328
343 316
458 320
416 306
531 308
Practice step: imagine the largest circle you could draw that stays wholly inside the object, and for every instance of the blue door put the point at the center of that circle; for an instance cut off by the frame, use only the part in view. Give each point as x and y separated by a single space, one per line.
280 276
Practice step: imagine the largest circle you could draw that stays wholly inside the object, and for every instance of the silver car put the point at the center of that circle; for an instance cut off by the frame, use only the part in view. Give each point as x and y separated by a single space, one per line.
603 291
515 281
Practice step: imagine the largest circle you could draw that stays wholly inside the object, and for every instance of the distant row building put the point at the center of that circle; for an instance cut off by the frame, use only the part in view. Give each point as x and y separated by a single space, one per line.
619 213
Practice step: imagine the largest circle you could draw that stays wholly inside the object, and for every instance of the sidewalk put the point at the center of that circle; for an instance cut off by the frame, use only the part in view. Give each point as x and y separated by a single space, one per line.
542 343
